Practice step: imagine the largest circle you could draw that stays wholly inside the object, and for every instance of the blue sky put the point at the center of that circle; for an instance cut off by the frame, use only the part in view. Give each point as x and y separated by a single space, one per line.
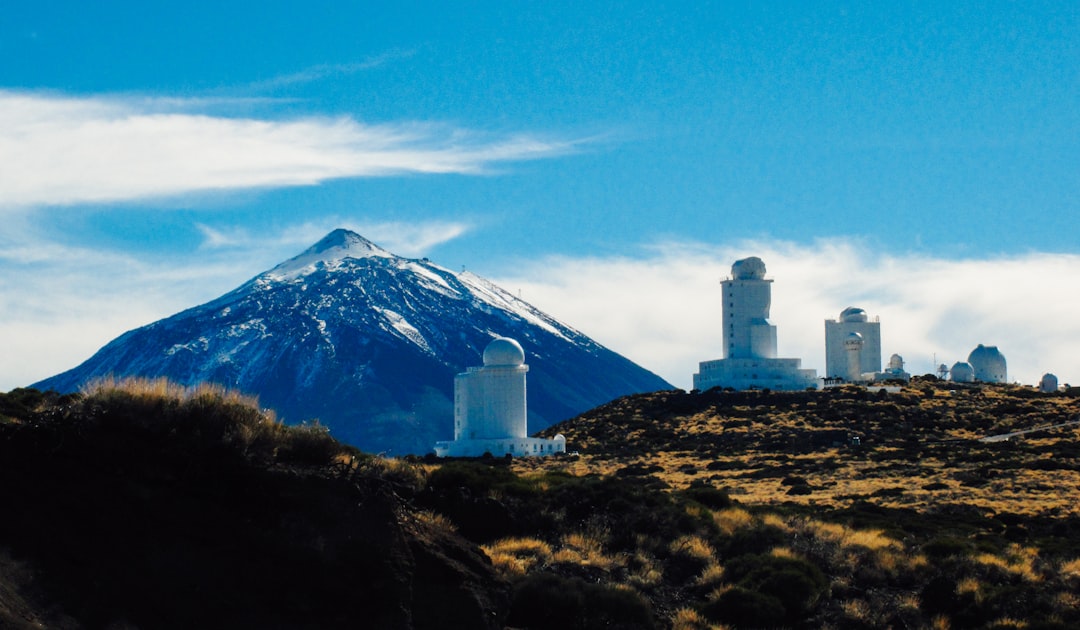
607 159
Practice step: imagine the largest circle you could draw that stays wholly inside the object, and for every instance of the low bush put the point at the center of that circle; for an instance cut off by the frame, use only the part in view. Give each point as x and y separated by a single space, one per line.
546 601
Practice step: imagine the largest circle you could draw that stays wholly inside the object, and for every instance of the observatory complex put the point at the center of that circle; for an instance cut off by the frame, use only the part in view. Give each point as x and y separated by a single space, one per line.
985 364
749 339
490 409
852 346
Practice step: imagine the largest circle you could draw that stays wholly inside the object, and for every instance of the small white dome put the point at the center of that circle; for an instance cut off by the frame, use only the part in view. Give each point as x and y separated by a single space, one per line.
962 372
853 339
752 268
896 362
853 314
503 351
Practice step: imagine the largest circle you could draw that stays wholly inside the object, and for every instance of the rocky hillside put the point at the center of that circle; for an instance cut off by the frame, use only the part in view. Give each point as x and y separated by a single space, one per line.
148 506
158 507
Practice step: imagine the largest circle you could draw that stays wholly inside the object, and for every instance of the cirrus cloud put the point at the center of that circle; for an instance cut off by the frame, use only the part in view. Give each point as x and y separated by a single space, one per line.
62 150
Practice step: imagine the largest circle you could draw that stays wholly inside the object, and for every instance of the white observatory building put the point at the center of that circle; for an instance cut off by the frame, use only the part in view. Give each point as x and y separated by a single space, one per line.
750 360
962 372
852 346
490 411
989 364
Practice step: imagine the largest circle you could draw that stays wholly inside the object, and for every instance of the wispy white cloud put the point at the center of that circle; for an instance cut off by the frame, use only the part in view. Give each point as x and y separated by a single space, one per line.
323 71
404 239
60 150
663 309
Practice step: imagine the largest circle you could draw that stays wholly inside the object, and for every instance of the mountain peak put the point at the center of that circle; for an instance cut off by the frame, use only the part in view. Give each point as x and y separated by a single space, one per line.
342 243
331 250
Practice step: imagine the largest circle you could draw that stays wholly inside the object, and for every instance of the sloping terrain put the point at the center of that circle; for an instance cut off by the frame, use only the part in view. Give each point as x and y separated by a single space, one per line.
150 507
917 448
368 343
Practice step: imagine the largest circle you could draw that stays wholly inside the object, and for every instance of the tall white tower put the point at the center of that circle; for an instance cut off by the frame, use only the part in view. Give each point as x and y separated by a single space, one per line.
489 402
853 345
750 360
852 320
747 297
490 413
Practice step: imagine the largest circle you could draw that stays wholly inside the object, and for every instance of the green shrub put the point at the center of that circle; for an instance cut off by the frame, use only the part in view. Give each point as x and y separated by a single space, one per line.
710 497
745 608
546 601
793 582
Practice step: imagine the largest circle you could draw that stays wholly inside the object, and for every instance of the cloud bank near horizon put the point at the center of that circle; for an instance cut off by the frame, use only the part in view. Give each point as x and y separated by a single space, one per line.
63 150
660 309
663 310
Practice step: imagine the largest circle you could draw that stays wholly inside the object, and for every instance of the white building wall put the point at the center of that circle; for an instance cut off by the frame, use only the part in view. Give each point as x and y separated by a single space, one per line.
836 357
746 312
749 345
490 409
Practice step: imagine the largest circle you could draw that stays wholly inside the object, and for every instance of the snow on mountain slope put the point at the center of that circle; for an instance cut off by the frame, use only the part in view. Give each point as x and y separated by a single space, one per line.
367 343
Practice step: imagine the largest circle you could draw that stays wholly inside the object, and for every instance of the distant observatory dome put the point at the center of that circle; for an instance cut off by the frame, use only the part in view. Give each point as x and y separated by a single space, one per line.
503 351
962 372
896 362
852 314
853 339
989 364
1048 384
752 268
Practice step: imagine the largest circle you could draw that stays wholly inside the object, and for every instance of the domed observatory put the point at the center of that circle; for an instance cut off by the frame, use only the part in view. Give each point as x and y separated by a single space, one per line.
838 357
749 339
1048 384
895 371
962 372
490 411
989 364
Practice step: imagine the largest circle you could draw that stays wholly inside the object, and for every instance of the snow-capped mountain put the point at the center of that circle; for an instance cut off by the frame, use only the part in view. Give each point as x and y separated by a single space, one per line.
368 343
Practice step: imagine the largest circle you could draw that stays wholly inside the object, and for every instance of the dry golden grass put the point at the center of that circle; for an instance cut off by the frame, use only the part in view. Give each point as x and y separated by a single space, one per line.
1071 569
693 546
690 619
881 471
164 389
518 556
972 586
712 574
1018 562
585 550
436 521
856 610
731 520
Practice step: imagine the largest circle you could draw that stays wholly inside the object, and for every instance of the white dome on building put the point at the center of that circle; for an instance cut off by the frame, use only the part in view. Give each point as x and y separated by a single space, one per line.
989 364
962 372
752 268
853 314
853 339
896 362
1048 384
503 351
